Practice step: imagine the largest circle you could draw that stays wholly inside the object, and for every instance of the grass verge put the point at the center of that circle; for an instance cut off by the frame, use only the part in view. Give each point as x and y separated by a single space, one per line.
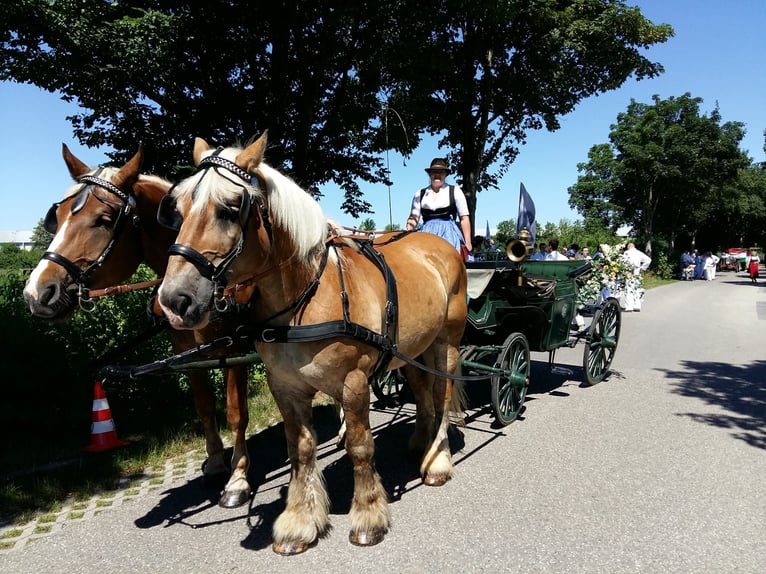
39 491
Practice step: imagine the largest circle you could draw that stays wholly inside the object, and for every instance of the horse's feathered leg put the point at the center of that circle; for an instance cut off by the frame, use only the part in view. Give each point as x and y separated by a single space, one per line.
237 490
214 469
306 516
370 515
421 385
436 465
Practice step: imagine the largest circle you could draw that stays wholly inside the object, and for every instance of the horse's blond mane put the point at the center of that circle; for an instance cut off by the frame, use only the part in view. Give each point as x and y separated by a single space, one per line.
290 207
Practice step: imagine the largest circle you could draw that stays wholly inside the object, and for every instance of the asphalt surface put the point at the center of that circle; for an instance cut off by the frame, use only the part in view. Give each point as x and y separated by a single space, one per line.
661 468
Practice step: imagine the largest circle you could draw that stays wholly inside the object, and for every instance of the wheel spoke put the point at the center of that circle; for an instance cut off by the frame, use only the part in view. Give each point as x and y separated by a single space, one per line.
509 388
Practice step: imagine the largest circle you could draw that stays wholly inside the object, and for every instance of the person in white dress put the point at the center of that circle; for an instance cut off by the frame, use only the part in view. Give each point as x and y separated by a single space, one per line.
640 262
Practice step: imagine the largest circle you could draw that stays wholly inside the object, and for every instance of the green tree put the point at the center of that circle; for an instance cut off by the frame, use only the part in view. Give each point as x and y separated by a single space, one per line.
41 239
367 224
486 73
323 76
506 230
664 170
13 257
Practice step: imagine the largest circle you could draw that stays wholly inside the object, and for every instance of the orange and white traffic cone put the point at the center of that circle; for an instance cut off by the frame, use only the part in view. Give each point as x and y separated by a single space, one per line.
103 435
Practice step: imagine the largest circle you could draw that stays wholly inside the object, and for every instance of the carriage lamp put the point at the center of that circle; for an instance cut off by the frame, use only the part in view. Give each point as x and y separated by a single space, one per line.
521 248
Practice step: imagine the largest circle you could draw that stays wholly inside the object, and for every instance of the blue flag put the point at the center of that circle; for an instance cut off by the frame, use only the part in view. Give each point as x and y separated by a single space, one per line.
526 214
487 235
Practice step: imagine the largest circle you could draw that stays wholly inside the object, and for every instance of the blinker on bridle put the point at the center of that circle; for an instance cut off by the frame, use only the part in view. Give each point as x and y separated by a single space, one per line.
168 216
79 198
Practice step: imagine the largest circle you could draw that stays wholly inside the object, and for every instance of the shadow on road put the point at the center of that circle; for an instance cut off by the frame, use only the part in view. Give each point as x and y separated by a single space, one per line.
739 389
270 470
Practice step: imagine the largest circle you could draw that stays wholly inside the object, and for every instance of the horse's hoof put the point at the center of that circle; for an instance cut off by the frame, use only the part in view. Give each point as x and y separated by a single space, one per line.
435 480
291 548
367 537
234 498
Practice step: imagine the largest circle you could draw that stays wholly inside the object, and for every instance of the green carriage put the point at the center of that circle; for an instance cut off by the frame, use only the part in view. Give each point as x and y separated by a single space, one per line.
520 307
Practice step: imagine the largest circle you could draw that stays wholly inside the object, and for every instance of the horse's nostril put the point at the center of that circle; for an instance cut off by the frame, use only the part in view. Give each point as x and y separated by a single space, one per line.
181 304
49 295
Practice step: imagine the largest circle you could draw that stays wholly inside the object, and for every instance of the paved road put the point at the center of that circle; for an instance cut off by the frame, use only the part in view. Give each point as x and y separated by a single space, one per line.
660 468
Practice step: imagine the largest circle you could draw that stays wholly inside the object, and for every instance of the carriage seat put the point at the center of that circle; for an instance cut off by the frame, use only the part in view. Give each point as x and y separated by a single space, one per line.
503 282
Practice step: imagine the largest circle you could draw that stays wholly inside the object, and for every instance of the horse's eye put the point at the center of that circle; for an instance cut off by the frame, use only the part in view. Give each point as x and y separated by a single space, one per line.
227 213
106 221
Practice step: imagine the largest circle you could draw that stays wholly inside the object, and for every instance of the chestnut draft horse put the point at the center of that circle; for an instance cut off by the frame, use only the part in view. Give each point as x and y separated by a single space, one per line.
322 312
104 227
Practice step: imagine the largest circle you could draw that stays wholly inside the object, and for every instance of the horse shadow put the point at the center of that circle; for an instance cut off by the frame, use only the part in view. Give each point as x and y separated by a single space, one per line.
270 469
398 470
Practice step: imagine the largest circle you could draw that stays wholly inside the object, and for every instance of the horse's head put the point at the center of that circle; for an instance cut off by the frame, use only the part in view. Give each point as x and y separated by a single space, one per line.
236 217
95 241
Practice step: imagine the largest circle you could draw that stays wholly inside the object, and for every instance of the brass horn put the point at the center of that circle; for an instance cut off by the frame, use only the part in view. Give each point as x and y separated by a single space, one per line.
519 249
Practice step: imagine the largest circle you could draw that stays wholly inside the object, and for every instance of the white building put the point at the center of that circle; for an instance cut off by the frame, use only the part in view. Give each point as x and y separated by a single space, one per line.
22 239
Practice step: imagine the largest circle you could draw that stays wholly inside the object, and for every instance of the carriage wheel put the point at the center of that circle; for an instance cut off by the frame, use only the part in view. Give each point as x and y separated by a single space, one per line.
388 388
601 341
510 389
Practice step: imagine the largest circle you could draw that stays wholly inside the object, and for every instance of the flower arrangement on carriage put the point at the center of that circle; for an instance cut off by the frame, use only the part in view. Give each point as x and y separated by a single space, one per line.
611 276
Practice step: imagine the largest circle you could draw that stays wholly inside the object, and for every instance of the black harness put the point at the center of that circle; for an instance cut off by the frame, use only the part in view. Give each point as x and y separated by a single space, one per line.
127 205
264 331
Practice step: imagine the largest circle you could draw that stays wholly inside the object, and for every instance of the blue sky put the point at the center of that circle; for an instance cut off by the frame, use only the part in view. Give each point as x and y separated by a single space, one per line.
717 54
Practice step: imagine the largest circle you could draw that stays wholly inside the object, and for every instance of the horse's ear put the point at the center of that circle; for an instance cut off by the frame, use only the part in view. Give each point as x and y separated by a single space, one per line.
252 156
128 174
75 166
200 147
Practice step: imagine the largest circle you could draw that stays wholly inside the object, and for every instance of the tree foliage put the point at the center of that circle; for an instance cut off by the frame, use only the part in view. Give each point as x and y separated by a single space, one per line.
505 68
667 170
322 77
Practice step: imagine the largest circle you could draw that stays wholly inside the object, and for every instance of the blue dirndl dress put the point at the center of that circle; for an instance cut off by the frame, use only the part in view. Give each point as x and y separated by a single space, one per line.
446 229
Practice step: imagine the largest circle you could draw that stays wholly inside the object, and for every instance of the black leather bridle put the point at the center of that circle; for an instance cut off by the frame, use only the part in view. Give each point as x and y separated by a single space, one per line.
168 216
79 198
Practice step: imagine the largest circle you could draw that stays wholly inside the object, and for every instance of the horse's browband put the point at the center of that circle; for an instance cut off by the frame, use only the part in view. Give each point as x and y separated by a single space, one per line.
218 161
107 185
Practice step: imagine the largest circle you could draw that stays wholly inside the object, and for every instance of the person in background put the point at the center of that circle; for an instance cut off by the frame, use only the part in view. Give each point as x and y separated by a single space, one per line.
586 254
574 252
554 254
602 251
441 205
753 262
540 253
699 265
716 260
478 248
711 264
640 262
687 266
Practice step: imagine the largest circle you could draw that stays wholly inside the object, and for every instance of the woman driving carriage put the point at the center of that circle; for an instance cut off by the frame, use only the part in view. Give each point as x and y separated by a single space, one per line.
440 205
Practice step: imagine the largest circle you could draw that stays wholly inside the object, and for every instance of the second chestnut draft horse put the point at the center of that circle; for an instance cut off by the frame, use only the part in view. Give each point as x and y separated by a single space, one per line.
104 227
321 305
